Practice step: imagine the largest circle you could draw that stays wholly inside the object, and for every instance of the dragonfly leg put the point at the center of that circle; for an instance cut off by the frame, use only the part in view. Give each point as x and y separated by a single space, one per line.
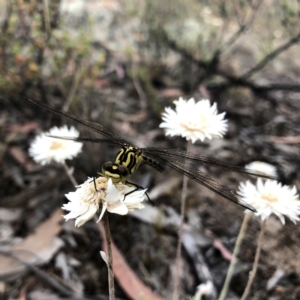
96 174
137 187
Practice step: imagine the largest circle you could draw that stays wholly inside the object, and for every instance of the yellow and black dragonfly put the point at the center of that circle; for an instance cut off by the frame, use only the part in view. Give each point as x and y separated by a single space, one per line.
130 157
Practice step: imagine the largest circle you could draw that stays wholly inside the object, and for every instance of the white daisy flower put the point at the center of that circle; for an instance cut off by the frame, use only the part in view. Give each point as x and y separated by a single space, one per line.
104 257
262 167
205 289
194 121
45 149
270 197
85 201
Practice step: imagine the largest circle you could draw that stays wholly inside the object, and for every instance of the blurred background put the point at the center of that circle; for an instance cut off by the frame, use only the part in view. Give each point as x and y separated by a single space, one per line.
120 63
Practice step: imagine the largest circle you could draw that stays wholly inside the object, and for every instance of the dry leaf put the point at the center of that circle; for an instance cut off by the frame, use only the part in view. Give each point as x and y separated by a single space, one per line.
170 93
24 128
127 279
18 154
21 157
284 139
38 248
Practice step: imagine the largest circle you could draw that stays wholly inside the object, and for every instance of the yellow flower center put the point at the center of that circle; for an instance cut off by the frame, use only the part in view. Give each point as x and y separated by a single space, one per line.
196 124
56 145
101 185
204 121
269 197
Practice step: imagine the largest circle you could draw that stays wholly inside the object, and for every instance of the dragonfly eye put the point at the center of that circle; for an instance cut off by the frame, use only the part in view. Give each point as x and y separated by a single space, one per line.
107 166
123 171
115 171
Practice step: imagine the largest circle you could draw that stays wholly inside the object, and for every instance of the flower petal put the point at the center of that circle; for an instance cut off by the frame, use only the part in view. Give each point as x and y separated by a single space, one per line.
194 121
45 149
270 197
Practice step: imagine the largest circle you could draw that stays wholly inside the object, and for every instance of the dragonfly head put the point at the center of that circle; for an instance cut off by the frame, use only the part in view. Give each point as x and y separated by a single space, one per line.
115 171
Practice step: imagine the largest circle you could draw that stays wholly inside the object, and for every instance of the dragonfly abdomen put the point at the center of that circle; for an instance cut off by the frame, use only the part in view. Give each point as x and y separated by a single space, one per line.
153 163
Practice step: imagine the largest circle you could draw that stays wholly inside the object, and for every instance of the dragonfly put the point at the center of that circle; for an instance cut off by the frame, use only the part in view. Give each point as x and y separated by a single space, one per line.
130 157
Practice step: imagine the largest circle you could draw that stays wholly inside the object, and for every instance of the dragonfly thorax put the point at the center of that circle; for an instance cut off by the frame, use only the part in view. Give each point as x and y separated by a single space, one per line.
127 161
129 157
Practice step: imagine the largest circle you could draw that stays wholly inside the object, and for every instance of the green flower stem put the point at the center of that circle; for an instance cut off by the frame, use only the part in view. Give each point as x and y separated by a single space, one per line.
233 261
111 283
180 231
68 171
257 254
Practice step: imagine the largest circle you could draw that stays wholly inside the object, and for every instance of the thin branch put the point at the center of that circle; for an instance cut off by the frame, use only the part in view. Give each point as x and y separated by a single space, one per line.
234 38
45 276
138 86
271 56
211 68
76 81
237 12
4 36
174 46
47 16
244 26
256 88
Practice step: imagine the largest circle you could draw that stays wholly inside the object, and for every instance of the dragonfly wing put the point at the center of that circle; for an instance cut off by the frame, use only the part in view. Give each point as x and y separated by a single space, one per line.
178 155
94 126
201 178
82 139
